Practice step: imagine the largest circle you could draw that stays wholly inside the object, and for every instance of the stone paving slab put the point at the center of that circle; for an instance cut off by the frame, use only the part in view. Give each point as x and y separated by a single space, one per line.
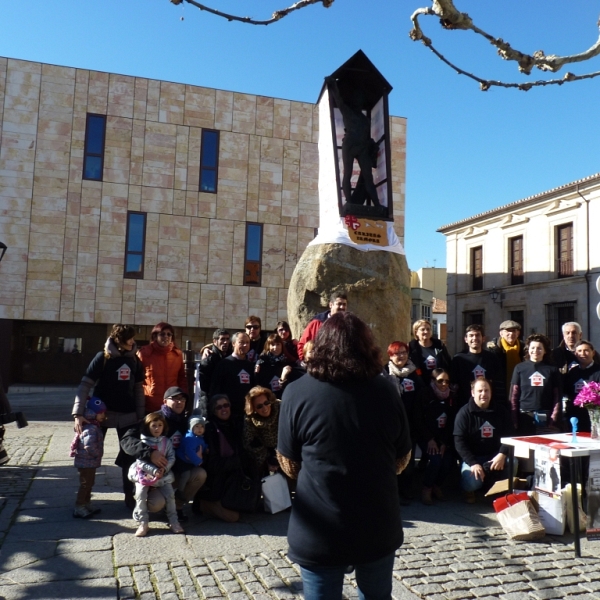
451 552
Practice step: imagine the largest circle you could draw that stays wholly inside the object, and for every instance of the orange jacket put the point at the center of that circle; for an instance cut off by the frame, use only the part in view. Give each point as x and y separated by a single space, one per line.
163 368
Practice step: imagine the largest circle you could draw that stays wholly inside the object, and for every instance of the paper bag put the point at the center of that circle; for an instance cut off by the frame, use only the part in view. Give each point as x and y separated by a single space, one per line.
521 522
276 494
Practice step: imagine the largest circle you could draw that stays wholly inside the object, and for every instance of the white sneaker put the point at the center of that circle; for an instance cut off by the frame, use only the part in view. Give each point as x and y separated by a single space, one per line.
142 530
82 512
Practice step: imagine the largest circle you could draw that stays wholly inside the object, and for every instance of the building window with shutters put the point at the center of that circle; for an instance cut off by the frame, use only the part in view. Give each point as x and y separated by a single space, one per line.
477 268
515 253
135 245
253 254
209 161
564 250
93 156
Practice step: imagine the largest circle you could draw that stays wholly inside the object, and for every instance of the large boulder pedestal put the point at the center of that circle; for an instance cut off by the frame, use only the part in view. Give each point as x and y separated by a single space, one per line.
377 284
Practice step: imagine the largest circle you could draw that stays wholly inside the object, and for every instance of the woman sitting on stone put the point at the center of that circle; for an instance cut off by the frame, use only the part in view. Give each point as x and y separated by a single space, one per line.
260 429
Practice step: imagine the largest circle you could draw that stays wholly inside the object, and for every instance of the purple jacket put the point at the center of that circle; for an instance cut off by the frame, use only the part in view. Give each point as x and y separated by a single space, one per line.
90 447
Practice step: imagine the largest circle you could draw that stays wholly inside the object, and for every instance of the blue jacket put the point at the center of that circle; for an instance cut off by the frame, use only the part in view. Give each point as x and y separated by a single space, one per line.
187 450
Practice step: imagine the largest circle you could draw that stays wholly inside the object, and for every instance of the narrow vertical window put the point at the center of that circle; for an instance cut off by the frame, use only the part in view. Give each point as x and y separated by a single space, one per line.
564 250
93 159
516 260
477 267
135 245
253 257
209 161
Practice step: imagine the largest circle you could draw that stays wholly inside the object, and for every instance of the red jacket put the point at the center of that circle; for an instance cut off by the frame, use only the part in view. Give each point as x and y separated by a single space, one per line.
164 368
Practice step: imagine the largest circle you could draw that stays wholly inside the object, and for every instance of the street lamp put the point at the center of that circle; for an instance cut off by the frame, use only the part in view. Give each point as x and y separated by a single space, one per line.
497 296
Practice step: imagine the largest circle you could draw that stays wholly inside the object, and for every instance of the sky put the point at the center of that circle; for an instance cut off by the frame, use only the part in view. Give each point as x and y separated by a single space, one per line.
467 151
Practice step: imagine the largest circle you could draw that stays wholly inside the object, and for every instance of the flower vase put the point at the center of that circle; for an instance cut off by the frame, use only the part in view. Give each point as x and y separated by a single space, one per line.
594 412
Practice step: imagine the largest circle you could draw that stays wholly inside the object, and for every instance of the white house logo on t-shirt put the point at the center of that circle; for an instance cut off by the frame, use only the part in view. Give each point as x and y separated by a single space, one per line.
487 430
430 363
537 379
275 384
441 421
572 365
478 372
408 385
124 373
176 439
579 385
251 356
244 376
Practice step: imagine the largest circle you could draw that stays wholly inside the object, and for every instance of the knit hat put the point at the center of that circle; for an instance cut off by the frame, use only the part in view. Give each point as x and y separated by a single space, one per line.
196 420
93 407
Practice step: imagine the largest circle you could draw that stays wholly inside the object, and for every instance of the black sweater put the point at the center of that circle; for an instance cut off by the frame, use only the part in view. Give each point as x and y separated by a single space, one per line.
477 432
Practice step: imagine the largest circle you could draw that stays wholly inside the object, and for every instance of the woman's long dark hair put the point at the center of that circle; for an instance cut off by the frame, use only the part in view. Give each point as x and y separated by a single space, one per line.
345 350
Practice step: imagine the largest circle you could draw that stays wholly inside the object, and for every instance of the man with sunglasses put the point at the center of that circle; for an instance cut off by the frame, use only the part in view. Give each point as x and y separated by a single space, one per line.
163 365
257 337
173 409
234 375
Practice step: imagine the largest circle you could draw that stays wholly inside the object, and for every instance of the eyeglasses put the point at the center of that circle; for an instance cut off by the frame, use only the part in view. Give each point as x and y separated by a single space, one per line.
177 398
266 403
443 381
283 329
252 326
400 353
165 334
222 406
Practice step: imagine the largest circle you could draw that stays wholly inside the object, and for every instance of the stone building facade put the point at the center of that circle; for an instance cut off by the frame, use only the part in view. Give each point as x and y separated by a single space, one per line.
64 274
535 261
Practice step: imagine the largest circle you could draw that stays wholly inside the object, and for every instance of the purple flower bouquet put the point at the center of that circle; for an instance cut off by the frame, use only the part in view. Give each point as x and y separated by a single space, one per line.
589 396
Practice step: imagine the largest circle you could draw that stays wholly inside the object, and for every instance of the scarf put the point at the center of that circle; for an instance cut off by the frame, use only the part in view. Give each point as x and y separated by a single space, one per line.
169 413
513 358
402 372
440 394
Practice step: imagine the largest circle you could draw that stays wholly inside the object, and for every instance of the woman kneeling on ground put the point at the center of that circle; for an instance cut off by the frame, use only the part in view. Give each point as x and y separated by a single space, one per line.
479 426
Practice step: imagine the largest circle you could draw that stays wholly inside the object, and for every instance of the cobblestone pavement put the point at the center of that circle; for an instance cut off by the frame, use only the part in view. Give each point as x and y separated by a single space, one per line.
451 551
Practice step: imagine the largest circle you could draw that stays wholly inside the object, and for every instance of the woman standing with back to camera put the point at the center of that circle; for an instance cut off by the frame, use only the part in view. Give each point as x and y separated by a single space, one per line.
343 434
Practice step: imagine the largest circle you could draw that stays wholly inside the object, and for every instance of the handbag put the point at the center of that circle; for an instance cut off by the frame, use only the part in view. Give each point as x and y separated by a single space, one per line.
276 494
241 492
519 520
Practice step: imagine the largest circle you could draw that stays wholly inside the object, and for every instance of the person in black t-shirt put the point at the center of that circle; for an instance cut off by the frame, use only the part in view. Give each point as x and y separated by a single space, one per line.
426 352
343 433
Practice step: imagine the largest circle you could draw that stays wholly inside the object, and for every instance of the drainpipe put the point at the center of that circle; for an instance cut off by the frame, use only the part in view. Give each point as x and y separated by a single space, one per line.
588 274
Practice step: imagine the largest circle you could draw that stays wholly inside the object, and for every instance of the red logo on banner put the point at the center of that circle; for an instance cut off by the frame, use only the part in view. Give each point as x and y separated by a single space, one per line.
351 222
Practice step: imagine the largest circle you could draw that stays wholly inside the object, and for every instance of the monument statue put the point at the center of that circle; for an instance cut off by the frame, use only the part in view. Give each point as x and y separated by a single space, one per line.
357 144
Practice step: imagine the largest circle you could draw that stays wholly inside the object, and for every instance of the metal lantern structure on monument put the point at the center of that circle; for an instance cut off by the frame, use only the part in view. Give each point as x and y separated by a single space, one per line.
358 104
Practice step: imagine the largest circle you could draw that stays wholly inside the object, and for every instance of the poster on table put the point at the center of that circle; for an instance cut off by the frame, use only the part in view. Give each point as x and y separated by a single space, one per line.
593 498
547 471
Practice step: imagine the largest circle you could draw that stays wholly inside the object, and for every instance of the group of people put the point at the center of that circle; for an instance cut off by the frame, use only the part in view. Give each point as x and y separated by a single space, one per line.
460 407
328 414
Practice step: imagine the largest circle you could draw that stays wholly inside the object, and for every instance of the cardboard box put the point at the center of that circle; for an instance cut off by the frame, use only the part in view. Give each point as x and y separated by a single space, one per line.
501 487
552 512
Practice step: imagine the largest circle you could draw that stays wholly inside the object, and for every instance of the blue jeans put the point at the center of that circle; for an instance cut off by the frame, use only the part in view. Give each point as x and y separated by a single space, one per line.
374 580
470 484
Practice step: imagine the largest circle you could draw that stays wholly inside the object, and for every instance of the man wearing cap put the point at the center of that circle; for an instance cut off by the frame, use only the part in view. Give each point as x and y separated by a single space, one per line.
509 350
220 349
173 409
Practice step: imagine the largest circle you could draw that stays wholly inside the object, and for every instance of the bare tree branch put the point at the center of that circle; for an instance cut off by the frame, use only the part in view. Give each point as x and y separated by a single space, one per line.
276 16
451 18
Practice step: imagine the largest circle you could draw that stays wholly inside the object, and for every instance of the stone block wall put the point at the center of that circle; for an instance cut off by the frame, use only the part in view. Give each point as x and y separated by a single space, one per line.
66 235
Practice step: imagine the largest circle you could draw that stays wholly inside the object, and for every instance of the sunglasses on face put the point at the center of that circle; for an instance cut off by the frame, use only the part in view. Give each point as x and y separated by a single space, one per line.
266 403
443 381
222 406
252 326
165 334
282 330
177 399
